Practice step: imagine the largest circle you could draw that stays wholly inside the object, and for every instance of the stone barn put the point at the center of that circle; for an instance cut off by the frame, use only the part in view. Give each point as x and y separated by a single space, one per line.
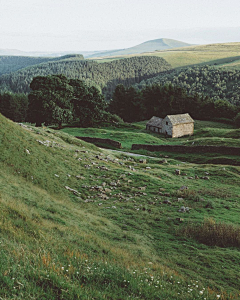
154 124
172 125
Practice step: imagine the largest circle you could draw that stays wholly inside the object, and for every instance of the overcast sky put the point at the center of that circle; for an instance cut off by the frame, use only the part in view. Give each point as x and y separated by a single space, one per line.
68 25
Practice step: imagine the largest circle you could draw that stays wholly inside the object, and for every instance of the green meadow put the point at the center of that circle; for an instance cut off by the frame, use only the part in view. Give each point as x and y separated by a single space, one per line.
226 54
205 133
79 222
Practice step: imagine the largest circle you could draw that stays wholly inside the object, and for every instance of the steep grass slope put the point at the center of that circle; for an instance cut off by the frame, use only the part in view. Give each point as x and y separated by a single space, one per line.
77 222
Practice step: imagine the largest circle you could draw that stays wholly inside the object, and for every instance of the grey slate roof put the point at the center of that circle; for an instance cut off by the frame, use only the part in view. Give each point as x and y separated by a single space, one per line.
180 119
155 121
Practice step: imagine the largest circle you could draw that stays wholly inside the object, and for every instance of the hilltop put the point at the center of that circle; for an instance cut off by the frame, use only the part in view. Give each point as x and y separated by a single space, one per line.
81 222
149 46
211 54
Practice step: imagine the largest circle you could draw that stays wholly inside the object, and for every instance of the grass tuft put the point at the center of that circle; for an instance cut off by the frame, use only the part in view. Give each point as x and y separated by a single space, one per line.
212 233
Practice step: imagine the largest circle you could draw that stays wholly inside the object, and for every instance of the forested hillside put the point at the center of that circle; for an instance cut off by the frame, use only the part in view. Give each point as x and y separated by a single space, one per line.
10 64
106 75
217 83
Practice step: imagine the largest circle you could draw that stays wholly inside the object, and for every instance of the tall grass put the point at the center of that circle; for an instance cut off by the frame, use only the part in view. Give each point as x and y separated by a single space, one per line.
212 233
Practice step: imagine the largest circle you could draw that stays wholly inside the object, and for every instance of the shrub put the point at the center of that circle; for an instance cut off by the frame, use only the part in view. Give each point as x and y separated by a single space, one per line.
212 233
237 120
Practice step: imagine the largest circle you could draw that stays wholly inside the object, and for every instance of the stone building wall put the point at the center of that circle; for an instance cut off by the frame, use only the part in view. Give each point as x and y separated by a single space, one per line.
167 126
189 149
93 140
182 129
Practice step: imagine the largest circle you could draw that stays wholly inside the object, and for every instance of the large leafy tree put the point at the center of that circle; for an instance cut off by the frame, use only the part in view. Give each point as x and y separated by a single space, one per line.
55 99
88 103
50 100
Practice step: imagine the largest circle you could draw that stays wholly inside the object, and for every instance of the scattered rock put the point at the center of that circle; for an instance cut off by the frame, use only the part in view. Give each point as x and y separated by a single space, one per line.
184 209
143 161
80 177
167 202
164 161
142 188
177 172
73 191
28 152
180 199
196 177
184 187
205 178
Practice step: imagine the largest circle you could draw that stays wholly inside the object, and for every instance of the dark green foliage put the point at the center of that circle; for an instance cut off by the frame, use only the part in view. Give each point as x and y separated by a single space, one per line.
217 83
156 100
10 64
127 103
237 120
89 104
50 100
14 106
56 99
105 75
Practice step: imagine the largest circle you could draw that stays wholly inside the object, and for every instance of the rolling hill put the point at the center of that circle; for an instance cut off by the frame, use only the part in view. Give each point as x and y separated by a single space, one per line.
79 222
9 64
194 55
149 46
105 75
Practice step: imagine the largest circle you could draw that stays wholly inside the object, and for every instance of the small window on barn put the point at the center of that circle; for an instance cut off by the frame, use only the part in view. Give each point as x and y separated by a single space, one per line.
166 123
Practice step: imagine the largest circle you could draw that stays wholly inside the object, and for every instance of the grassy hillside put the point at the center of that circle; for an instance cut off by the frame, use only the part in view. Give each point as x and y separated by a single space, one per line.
77 222
200 54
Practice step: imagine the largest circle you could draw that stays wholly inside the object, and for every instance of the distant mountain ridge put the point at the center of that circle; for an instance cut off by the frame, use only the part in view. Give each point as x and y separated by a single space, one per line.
149 46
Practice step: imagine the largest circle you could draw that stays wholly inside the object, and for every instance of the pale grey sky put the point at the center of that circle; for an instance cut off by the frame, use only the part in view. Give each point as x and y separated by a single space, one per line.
68 25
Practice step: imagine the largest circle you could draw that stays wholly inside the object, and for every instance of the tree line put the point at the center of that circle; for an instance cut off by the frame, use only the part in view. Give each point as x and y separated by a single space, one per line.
56 99
134 105
217 83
